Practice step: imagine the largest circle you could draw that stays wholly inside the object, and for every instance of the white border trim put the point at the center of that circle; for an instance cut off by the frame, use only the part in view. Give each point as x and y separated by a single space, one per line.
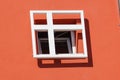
50 27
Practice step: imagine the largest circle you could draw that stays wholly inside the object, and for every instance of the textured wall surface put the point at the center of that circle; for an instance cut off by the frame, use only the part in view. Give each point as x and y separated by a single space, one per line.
102 26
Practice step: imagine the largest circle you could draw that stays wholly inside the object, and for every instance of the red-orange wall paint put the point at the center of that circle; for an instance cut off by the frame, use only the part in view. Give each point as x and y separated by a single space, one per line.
16 61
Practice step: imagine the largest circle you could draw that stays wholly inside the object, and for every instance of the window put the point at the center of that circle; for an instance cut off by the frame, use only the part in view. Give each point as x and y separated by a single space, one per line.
62 42
62 45
54 38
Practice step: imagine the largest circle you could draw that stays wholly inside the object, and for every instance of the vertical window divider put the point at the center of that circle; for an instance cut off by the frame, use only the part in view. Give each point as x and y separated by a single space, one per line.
51 34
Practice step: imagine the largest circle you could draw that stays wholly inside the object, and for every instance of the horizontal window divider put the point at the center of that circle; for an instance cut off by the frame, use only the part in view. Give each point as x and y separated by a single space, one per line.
70 55
56 11
67 27
40 27
58 27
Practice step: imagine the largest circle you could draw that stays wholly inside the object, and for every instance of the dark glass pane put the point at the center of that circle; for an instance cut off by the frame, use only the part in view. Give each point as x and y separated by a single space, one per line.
45 47
61 47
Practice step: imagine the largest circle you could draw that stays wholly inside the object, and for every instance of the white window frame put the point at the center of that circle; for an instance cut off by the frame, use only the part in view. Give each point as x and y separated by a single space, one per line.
50 27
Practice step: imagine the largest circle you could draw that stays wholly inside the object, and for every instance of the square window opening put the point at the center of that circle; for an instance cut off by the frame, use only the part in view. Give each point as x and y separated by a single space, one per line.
79 42
62 42
40 19
43 43
66 18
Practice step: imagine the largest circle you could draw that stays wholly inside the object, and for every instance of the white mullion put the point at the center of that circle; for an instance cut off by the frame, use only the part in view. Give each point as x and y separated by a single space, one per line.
73 42
40 27
67 27
51 34
51 41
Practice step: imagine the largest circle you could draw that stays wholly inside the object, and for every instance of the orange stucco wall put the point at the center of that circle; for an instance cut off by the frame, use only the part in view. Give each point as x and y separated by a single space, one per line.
102 20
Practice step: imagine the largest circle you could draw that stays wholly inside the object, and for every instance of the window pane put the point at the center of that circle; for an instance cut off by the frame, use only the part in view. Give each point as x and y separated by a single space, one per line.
44 46
66 18
40 19
79 41
43 43
62 42
61 46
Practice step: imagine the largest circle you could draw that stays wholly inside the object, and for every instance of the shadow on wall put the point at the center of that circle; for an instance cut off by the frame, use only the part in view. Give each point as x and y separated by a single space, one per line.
59 63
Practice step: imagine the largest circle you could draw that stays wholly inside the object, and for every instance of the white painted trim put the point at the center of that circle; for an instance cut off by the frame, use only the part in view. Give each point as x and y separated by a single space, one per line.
50 34
70 55
50 27
58 27
33 34
55 11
